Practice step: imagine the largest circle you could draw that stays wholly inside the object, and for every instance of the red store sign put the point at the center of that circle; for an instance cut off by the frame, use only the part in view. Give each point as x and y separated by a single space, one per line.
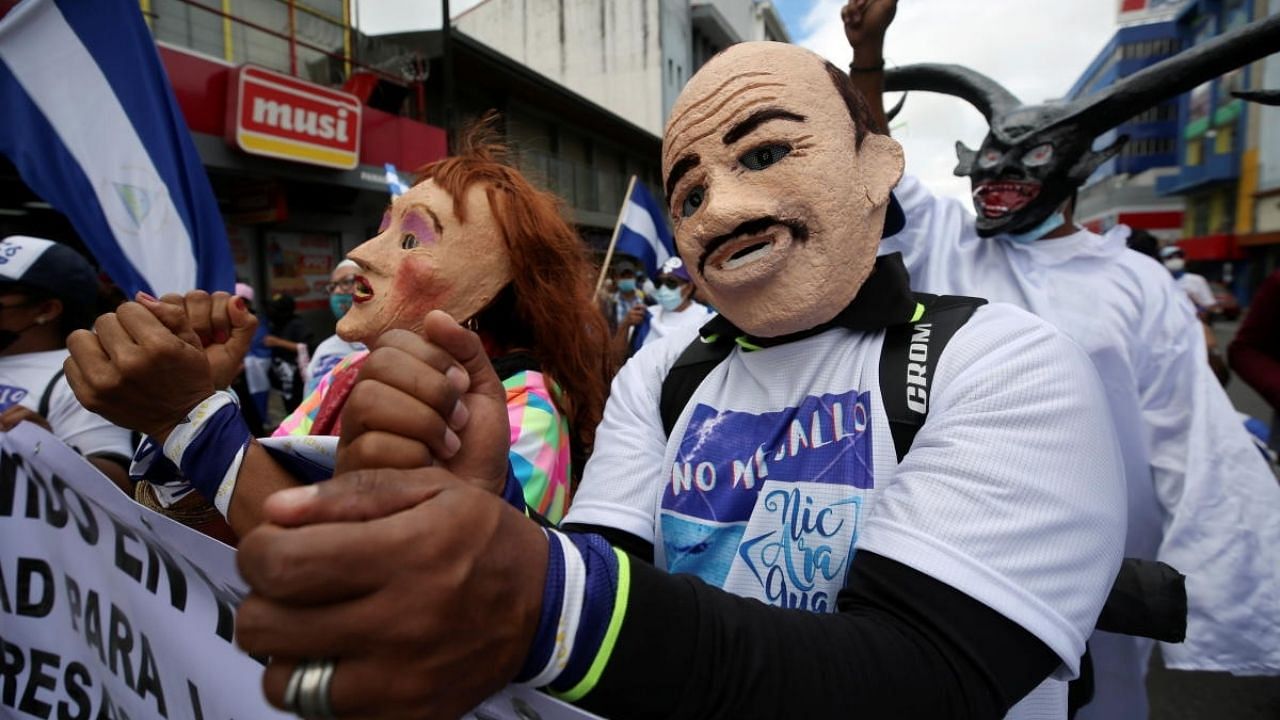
280 116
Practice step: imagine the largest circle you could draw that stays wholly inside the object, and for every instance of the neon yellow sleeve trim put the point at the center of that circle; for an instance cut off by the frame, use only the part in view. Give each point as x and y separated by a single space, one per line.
588 682
919 312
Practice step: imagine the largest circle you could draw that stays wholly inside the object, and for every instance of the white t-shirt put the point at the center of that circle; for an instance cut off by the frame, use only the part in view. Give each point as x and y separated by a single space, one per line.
782 463
23 380
328 354
663 322
1198 289
1199 493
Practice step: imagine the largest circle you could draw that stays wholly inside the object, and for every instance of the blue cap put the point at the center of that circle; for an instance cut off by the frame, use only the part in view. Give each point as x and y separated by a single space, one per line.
674 267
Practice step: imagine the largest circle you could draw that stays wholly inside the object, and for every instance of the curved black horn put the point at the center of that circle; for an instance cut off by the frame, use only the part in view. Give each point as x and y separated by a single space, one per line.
897 108
1176 75
982 92
1262 97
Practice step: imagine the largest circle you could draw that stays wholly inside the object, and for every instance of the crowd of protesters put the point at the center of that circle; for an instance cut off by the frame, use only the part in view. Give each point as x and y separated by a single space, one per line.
471 359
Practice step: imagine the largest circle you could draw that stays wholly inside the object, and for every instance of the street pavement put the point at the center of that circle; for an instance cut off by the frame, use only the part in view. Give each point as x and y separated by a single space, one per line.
1181 695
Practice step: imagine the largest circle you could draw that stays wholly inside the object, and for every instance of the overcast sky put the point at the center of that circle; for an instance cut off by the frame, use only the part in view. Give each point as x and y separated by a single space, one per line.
1036 49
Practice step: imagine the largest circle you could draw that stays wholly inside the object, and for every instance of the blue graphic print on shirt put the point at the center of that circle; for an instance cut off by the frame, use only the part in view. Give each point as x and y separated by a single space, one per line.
11 395
771 503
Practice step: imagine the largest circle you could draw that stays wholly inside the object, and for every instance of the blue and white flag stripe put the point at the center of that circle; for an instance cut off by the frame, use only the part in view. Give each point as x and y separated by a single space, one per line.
92 126
395 185
644 233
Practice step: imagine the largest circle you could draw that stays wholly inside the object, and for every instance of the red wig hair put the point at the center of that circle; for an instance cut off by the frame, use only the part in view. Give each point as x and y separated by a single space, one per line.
549 308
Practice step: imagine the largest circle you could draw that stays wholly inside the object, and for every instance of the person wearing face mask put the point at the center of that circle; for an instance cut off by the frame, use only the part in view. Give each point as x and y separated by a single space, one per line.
673 310
676 309
628 313
47 290
1194 285
342 283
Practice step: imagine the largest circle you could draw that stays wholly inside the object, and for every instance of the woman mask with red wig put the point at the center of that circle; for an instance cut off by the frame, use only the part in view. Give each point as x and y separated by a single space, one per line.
471 238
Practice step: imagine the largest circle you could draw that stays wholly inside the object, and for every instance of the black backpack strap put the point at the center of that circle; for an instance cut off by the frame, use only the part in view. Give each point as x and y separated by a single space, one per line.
909 361
43 409
691 368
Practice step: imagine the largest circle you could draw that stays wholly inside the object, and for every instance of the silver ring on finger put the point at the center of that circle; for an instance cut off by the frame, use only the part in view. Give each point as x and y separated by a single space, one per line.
291 688
314 685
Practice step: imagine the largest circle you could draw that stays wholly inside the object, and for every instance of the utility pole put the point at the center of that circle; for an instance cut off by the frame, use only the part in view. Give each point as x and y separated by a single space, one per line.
446 62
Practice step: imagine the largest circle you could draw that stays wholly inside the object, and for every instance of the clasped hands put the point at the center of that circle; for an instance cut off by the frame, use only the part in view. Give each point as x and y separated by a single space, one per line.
407 567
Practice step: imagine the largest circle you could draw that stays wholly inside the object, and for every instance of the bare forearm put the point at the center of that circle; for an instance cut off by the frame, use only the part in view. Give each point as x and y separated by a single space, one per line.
867 74
272 341
115 472
259 476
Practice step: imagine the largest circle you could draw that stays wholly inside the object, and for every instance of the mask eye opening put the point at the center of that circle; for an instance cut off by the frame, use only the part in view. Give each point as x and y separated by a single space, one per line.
1038 155
764 156
692 201
409 241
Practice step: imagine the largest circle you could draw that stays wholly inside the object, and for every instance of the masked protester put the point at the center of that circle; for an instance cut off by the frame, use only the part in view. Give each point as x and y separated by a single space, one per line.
472 239
780 549
1195 286
47 291
627 311
342 283
675 310
1198 490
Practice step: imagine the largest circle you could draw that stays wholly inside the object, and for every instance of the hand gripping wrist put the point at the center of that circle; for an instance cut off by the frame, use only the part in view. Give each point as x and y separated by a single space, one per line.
584 602
208 446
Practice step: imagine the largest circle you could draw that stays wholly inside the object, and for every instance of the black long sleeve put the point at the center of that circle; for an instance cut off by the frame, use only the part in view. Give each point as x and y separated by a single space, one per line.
903 645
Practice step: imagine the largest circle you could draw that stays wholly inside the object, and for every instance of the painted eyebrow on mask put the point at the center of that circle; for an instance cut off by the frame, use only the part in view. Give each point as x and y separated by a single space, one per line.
756 119
434 219
682 166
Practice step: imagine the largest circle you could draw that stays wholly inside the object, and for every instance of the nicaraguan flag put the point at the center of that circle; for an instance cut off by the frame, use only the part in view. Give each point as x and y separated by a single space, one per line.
88 118
395 185
644 233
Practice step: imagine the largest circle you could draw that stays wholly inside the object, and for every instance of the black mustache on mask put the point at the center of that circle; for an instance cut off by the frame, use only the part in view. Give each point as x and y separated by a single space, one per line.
799 231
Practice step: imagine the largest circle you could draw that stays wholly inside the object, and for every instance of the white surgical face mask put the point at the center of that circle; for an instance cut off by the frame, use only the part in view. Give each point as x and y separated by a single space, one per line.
669 298
1175 264
1051 223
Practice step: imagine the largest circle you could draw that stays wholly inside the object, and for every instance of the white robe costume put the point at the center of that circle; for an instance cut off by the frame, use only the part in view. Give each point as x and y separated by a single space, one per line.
1201 497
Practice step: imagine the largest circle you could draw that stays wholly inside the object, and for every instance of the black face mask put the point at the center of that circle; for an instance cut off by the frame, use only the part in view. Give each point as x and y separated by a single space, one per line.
9 337
1022 175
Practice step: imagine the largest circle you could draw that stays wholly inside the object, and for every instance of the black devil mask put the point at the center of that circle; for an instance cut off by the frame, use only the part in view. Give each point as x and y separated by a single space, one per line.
1035 156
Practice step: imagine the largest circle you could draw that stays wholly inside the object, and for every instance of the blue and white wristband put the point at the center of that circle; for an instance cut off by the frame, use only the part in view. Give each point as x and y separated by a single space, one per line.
584 602
209 447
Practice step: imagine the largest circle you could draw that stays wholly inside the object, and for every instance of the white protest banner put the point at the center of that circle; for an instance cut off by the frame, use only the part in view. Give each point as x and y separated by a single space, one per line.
109 611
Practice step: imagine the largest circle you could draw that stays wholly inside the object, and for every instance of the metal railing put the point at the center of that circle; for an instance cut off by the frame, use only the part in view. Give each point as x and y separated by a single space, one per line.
305 42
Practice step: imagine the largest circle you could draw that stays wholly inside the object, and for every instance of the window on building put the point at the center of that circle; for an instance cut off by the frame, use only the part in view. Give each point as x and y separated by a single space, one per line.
187 25
1195 152
1224 140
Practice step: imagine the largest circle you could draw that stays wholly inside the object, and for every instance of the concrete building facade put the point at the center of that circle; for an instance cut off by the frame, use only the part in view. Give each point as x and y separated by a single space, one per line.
631 57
